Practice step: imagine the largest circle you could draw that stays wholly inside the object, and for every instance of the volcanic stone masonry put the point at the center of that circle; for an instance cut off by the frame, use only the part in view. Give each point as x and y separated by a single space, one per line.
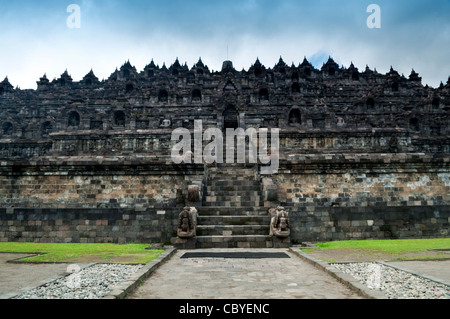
362 155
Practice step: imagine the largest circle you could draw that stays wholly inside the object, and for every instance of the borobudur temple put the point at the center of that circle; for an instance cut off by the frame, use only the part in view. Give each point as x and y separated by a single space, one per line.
362 155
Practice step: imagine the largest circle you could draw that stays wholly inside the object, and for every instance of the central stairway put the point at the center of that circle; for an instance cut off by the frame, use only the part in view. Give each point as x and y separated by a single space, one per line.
232 213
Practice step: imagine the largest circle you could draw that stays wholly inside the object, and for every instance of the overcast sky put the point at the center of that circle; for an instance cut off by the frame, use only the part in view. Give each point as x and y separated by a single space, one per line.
35 38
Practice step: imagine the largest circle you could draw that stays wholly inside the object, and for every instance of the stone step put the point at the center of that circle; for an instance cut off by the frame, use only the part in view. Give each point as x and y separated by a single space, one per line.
236 173
234 198
232 211
251 241
234 180
238 182
234 165
241 204
240 189
220 193
237 189
232 171
234 220
232 230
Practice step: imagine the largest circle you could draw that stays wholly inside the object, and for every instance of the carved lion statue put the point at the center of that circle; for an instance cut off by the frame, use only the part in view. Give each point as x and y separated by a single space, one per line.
187 223
280 226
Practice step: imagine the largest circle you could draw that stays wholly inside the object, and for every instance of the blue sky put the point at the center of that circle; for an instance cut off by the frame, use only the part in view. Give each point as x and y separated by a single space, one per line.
35 38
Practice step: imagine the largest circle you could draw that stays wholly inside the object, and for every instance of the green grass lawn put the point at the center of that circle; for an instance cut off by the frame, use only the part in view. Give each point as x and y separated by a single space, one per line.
400 246
107 253
408 249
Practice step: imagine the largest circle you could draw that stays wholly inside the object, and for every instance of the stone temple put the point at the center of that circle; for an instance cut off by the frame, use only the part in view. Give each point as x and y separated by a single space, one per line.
363 155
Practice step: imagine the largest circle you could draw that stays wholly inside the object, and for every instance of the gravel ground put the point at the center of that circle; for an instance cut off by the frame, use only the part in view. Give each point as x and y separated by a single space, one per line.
395 284
92 282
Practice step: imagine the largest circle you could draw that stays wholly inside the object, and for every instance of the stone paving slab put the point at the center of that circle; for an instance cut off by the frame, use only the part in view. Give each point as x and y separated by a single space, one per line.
15 279
220 278
438 270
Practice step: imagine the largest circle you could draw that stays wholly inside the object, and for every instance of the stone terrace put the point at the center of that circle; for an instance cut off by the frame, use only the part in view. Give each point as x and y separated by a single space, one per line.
362 154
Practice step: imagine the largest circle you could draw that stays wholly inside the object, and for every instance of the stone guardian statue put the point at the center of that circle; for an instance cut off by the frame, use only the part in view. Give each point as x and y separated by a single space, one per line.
187 223
279 226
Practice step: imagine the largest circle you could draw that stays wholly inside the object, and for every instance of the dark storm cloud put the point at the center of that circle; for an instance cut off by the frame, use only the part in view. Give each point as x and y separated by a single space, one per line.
414 34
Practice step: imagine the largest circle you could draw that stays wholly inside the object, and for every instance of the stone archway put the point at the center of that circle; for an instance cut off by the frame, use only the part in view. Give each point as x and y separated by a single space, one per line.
231 117
295 117
119 119
73 119
7 129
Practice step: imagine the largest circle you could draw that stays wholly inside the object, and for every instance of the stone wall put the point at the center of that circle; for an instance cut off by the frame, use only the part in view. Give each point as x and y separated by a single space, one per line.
86 200
329 197
119 226
359 223
56 190
379 196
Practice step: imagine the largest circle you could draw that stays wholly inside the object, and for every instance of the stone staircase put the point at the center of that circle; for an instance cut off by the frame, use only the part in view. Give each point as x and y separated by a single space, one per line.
233 213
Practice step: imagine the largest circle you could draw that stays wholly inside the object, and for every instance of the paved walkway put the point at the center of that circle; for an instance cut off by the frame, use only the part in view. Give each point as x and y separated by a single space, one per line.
437 270
219 278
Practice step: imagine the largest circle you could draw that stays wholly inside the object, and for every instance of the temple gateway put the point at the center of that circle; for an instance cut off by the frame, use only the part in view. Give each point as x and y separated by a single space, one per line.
362 155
